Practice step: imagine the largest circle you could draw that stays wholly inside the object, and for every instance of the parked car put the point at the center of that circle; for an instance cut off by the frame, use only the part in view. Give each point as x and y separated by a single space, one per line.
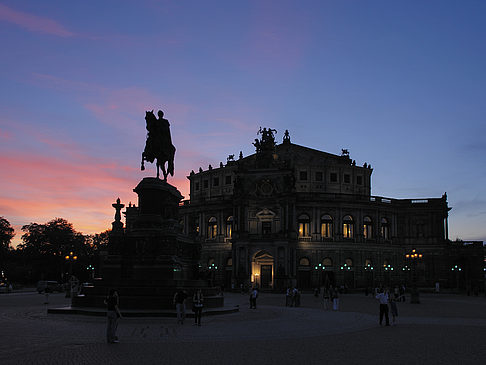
52 285
5 287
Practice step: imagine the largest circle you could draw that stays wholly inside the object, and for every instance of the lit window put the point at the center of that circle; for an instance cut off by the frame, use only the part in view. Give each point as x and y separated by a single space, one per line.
367 228
385 229
348 227
212 227
304 223
326 226
229 226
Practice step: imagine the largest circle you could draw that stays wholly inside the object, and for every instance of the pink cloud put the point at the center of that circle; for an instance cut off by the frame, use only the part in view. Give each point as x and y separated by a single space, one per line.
33 23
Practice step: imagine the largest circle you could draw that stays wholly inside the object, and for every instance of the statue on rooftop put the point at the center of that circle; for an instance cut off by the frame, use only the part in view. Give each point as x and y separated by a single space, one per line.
158 145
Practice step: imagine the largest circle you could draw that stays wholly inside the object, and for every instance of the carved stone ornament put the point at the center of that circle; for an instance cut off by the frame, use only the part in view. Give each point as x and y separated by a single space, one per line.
265 215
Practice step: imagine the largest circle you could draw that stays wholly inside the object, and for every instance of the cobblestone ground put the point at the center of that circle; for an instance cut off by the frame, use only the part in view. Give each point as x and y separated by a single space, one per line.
443 329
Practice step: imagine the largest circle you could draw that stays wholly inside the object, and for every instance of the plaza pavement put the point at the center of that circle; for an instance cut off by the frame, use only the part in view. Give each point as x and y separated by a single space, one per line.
443 329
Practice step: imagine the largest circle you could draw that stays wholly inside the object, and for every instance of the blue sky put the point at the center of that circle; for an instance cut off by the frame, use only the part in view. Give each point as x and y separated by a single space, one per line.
400 84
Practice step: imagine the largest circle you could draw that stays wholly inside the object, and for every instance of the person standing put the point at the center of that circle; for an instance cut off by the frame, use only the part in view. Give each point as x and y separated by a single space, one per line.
180 304
383 297
253 298
197 306
297 297
325 298
113 314
288 297
335 299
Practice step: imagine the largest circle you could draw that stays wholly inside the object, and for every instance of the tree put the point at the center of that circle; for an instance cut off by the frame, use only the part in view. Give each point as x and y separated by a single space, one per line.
6 234
44 246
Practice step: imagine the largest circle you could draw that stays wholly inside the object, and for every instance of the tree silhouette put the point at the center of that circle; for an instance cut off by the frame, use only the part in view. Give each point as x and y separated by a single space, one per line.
6 234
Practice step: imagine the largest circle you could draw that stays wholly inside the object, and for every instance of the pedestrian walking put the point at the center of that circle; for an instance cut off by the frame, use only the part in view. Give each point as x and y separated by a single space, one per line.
113 314
180 304
383 297
253 298
197 306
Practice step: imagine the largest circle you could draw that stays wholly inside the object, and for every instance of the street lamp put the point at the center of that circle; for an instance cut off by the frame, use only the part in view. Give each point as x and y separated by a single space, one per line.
387 269
319 268
457 269
414 257
91 271
71 257
369 277
212 269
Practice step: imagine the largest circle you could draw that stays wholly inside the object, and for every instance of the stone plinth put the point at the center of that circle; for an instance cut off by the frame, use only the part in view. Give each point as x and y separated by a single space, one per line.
151 258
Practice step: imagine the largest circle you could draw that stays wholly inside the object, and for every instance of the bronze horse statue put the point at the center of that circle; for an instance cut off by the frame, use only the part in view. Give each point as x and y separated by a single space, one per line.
158 145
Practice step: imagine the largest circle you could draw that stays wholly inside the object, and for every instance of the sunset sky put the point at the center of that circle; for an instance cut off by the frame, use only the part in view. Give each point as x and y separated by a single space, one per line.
400 84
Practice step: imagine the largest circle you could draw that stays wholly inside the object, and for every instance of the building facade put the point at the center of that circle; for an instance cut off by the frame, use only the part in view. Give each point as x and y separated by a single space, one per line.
292 215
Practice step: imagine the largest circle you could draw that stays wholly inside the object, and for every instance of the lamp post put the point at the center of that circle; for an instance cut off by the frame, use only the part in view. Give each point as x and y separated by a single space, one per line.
212 269
70 258
345 268
369 277
319 268
456 269
388 268
414 257
91 271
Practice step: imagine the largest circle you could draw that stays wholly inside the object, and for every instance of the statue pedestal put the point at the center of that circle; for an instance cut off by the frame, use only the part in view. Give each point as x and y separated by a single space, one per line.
152 258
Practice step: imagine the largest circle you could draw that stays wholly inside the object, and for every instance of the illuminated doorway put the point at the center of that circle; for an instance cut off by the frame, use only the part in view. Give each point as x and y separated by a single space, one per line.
262 270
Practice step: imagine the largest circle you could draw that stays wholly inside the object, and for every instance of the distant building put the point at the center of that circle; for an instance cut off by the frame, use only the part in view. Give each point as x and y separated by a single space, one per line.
291 215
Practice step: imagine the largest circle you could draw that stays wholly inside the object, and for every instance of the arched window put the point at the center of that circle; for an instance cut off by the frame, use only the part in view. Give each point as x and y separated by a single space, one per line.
212 227
304 223
348 227
229 226
368 262
326 226
327 262
229 262
367 228
385 229
304 261
211 261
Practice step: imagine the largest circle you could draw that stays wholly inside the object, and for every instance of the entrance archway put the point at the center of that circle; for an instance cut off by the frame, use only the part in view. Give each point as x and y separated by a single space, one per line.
262 270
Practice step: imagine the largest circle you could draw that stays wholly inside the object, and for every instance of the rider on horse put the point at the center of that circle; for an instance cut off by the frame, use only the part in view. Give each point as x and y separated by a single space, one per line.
159 143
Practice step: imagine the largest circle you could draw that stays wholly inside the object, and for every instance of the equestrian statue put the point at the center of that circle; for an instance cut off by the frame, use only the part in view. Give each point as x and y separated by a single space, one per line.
158 145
